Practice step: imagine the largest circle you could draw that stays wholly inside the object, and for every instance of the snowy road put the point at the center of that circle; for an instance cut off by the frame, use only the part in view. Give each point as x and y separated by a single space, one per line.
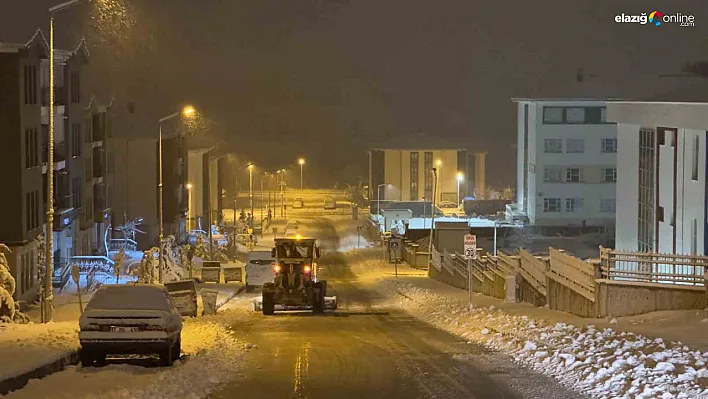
366 350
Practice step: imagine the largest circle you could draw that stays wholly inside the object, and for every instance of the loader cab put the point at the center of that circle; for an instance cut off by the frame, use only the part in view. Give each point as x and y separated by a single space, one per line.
296 256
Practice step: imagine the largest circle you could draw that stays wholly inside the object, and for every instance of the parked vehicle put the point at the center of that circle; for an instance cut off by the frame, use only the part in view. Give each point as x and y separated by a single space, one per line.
298 203
130 319
450 208
330 202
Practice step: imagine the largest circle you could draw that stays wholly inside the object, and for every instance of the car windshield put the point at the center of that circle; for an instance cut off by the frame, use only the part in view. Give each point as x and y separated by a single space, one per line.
293 250
130 298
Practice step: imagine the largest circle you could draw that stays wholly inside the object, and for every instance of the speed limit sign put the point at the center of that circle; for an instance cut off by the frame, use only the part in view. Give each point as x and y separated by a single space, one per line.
470 247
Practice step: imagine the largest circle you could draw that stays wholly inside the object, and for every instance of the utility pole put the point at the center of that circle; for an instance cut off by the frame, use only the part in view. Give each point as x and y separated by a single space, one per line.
432 218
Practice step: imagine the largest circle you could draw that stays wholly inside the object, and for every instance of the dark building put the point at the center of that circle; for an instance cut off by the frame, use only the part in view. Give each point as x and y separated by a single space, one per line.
21 208
174 180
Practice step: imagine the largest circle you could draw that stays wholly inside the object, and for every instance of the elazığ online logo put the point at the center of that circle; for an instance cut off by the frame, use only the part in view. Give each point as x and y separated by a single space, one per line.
656 18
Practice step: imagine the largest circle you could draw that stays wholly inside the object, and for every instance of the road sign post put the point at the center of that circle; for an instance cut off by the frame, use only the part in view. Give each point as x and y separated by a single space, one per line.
470 246
469 281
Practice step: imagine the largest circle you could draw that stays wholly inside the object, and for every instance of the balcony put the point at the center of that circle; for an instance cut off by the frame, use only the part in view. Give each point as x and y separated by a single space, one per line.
60 96
99 163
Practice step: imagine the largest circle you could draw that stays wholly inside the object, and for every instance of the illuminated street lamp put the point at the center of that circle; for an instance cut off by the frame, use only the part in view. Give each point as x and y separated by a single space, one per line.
47 309
460 179
186 112
301 162
250 189
378 197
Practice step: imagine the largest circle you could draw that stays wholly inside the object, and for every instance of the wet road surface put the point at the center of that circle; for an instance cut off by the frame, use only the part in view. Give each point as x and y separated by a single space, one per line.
362 350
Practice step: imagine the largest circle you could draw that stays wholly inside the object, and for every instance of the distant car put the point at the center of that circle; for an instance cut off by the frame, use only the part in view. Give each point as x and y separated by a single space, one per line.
298 203
130 319
449 208
330 202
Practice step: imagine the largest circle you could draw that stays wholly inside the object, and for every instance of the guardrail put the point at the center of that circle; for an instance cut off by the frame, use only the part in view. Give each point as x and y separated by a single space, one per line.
650 267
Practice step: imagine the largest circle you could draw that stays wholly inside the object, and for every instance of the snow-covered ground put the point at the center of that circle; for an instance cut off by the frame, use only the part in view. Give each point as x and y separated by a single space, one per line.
210 358
602 363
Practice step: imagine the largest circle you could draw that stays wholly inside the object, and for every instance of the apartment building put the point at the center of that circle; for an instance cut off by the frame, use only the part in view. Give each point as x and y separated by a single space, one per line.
21 212
406 174
566 162
663 197
174 180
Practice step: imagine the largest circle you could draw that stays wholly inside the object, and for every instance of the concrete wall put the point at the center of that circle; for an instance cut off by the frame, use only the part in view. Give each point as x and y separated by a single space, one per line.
566 300
625 298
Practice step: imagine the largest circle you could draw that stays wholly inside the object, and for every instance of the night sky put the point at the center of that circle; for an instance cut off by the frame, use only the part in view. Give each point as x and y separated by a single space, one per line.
328 79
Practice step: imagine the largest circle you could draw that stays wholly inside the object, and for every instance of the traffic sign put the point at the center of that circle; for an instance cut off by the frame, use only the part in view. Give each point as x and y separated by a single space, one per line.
470 246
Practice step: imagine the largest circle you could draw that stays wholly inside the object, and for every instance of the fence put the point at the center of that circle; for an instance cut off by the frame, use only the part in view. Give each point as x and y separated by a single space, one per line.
116 244
573 273
533 270
653 267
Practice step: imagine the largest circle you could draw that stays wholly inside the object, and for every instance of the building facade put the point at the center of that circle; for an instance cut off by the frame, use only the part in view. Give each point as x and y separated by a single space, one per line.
22 213
566 162
174 180
406 174
662 168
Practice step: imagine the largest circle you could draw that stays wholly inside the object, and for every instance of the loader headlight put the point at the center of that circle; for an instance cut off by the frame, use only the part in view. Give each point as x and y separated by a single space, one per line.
276 268
307 269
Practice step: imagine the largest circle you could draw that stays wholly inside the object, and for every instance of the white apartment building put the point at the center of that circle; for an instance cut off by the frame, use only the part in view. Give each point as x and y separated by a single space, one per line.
661 204
566 162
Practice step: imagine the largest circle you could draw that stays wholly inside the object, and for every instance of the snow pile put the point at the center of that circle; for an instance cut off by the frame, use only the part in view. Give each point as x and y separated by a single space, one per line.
211 357
352 242
600 363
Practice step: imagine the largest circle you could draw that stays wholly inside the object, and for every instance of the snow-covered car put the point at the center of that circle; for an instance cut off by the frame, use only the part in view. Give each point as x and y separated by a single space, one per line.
298 203
130 319
449 208
330 202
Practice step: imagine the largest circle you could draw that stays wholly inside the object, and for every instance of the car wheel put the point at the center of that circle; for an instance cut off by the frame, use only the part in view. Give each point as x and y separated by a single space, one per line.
86 358
166 358
318 305
177 349
100 359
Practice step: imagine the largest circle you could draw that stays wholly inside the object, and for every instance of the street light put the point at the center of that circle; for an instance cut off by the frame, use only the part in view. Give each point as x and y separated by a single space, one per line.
438 163
186 112
301 161
378 197
47 297
250 191
460 178
189 206
236 190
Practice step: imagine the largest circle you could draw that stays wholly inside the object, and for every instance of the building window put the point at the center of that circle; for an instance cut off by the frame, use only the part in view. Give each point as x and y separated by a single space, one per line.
608 205
552 146
30 86
574 146
646 193
575 115
595 115
609 175
32 210
552 115
608 146
427 168
31 150
76 192
573 204
603 114
552 174
573 175
75 87
414 176
76 142
694 236
551 204
694 169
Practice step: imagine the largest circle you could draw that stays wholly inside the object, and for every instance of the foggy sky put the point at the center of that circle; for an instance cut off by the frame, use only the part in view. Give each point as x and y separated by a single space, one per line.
328 79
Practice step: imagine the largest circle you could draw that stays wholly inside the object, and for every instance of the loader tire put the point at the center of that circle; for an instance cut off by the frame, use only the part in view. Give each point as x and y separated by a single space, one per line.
324 287
268 303
319 299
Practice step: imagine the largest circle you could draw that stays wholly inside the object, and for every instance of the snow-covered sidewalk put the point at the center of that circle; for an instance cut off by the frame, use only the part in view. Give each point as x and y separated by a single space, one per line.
600 362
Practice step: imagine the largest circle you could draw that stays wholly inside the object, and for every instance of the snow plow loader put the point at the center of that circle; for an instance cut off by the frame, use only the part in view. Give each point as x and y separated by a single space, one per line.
295 284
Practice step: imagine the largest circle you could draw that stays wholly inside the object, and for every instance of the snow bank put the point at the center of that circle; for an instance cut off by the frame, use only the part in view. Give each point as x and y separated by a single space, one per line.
600 363
211 357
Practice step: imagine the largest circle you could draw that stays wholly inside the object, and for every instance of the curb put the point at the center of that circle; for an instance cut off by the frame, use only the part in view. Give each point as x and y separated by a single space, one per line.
19 381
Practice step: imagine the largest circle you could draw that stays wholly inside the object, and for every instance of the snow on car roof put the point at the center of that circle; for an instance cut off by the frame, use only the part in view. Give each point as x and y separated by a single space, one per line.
129 296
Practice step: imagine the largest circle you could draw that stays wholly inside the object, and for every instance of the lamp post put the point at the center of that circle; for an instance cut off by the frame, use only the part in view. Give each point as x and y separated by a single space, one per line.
47 309
301 161
432 218
187 111
378 197
460 177
189 206
250 191
438 164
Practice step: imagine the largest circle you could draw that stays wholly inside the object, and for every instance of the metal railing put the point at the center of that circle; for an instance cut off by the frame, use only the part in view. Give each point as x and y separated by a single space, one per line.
116 244
650 267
